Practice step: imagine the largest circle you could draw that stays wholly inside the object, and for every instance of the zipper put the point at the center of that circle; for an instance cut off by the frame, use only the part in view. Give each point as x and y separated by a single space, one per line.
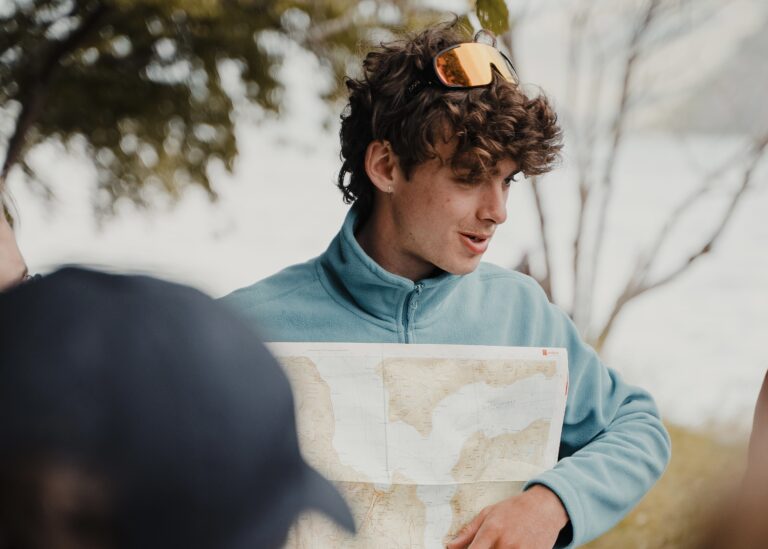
409 309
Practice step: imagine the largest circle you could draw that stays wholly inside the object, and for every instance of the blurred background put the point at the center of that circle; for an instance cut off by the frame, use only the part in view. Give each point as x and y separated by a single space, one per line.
197 140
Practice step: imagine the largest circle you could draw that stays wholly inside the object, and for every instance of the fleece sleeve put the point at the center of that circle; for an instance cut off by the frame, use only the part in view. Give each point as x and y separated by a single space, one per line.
613 447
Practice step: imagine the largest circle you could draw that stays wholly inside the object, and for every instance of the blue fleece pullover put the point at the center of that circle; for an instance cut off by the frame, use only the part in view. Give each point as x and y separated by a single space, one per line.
613 446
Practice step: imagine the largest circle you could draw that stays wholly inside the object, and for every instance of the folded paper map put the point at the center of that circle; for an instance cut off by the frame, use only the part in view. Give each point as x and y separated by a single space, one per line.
419 438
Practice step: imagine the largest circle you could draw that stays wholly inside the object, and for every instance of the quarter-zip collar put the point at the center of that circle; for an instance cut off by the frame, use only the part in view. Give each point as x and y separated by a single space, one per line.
355 278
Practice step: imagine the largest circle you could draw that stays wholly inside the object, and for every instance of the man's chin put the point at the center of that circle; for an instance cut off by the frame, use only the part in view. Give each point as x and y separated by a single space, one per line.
463 267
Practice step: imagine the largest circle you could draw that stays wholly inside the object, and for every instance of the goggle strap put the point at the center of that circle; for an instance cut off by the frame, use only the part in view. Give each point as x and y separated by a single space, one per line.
415 86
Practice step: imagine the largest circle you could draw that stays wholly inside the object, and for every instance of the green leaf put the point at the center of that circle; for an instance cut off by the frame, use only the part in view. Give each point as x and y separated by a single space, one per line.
493 15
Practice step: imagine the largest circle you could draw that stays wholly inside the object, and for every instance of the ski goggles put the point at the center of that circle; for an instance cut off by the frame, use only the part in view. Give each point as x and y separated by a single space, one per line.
471 64
466 65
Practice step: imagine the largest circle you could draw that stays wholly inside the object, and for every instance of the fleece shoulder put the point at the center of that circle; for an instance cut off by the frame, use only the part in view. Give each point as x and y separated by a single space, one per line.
276 286
522 282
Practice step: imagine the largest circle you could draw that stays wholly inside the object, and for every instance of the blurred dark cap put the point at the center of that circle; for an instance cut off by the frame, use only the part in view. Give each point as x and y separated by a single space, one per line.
169 396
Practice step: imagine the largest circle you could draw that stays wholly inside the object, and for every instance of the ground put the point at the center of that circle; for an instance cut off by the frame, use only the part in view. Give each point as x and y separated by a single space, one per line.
676 511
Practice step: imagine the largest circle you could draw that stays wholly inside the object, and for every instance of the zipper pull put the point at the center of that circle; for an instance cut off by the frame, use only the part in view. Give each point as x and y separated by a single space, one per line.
419 287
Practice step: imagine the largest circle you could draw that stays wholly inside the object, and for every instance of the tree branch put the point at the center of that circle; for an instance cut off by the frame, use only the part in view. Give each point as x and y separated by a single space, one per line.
585 166
759 151
684 206
617 136
546 280
637 285
629 293
32 98
579 19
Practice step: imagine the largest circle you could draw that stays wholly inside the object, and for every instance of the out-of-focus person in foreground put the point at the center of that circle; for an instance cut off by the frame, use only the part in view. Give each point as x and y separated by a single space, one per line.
12 266
741 522
140 414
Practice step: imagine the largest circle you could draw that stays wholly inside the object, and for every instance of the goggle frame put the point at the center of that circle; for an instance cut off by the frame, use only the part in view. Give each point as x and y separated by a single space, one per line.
489 53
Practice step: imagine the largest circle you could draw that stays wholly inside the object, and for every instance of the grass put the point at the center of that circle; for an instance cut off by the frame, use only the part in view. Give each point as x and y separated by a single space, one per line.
677 510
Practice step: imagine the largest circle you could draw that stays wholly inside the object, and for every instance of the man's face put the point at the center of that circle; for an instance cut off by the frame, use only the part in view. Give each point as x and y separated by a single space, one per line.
441 221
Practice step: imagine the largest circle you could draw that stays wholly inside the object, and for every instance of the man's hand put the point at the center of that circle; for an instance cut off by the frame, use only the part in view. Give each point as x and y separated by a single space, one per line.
532 519
12 267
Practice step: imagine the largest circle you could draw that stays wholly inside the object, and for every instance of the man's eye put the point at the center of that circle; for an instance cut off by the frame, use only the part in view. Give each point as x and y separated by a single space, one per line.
511 179
465 181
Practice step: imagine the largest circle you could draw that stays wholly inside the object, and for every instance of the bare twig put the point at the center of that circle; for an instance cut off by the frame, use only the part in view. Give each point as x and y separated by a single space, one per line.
692 199
710 174
524 266
546 280
579 20
617 133
629 293
586 153
507 41
637 283
583 142
576 307
759 151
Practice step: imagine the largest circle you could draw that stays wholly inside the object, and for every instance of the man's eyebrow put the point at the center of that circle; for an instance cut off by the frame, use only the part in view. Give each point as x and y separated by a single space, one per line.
513 173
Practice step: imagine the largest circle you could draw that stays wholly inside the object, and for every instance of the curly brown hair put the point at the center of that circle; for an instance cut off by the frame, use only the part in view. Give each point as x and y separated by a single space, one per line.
489 123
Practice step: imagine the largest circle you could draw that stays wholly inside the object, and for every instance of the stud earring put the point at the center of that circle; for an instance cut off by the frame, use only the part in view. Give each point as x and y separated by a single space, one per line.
389 190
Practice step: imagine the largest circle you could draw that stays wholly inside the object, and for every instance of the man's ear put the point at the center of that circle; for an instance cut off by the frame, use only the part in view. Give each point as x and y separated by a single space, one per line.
381 165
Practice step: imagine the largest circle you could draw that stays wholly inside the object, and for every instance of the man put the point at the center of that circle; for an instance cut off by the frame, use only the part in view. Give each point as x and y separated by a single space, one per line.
758 443
141 414
434 133
738 522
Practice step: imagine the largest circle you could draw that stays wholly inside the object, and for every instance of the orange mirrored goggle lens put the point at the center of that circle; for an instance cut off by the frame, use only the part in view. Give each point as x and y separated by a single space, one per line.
471 64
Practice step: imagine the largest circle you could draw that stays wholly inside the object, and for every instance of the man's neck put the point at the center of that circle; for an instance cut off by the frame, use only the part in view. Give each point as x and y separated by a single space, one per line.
378 237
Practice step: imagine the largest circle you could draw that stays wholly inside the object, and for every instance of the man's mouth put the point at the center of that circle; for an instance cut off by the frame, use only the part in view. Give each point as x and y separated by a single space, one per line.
477 243
478 237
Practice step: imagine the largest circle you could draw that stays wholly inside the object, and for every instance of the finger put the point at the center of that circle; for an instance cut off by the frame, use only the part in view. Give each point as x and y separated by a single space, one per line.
485 538
467 533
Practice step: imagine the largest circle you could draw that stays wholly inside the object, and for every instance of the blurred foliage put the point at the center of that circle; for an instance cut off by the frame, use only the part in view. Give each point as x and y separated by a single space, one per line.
493 15
677 513
138 83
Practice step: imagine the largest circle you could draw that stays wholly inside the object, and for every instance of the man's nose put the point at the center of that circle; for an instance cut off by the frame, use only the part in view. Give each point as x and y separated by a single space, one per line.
493 206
